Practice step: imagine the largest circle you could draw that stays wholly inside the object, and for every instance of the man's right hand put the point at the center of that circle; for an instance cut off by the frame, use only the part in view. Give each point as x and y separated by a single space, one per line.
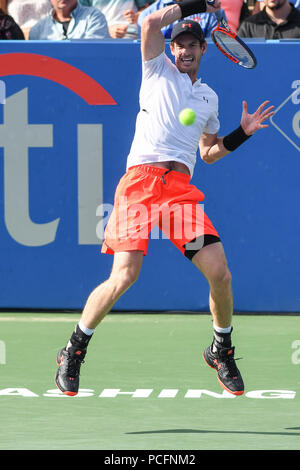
212 8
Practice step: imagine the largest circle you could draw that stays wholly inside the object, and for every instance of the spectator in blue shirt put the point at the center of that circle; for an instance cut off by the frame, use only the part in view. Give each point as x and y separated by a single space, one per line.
69 20
207 21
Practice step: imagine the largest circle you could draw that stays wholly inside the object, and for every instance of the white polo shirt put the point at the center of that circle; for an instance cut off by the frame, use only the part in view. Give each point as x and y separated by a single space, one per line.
159 136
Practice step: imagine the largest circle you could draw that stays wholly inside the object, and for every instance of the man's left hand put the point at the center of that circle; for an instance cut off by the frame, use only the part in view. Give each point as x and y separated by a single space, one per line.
253 122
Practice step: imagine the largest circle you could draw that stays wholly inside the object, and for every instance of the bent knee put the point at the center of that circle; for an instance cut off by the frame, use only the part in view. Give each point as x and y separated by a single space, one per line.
129 276
220 276
123 279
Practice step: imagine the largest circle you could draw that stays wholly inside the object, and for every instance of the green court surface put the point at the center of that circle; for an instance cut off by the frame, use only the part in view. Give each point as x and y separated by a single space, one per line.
144 385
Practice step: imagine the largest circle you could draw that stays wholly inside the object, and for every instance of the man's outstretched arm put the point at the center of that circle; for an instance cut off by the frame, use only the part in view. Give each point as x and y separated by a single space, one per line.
212 147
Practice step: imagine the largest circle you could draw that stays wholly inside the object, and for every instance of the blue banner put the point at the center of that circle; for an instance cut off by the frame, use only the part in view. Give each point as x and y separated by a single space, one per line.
67 119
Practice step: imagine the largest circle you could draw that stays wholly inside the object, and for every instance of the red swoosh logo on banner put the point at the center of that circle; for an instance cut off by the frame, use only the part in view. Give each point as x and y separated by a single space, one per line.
56 70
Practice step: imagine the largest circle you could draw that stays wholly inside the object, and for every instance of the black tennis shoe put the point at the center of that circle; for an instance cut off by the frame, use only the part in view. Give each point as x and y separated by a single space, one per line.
69 362
223 361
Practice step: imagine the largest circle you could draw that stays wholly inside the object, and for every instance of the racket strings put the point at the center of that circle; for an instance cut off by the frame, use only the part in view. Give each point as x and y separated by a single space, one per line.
233 48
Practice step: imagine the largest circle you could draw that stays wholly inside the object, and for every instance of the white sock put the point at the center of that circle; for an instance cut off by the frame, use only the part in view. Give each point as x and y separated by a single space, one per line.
85 330
222 330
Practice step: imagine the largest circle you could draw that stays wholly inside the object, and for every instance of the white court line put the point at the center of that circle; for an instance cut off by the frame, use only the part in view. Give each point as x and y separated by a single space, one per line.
114 317
71 320
37 319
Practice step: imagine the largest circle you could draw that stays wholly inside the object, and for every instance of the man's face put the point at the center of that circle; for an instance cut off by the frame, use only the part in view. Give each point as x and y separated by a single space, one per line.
187 51
275 4
64 4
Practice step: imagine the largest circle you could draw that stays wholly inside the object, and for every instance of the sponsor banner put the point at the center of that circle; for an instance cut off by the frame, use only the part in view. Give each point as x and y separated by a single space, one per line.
67 119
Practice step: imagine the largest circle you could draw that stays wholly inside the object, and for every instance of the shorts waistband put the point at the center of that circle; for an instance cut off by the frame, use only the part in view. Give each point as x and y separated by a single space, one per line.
157 171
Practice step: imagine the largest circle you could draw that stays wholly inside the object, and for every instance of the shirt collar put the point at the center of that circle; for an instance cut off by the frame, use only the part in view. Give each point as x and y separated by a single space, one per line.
197 83
73 12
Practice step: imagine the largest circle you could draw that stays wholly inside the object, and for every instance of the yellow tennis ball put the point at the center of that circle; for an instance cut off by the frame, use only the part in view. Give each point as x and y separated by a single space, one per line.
187 117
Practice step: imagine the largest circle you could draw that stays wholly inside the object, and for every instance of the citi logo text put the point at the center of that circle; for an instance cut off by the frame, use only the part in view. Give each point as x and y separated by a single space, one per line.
18 136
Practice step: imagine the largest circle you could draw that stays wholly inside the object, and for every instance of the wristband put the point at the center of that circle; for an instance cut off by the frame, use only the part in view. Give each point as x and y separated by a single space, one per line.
190 7
233 140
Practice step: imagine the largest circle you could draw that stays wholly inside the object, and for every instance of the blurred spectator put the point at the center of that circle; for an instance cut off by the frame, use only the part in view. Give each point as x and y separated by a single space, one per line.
121 15
246 10
259 5
69 20
26 13
8 27
207 21
278 19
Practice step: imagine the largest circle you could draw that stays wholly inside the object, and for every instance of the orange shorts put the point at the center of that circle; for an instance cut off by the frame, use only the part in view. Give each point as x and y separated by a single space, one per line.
148 197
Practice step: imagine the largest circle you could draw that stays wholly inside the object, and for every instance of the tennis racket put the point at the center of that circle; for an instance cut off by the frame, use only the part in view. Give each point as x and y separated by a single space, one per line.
230 44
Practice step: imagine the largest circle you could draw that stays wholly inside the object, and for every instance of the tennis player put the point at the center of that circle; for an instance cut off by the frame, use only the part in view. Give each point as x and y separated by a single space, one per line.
159 168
